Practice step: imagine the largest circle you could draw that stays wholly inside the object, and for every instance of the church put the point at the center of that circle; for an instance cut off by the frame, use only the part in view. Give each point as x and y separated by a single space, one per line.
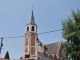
35 49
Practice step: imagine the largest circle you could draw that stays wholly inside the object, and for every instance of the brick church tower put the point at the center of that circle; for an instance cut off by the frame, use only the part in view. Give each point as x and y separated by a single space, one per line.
30 46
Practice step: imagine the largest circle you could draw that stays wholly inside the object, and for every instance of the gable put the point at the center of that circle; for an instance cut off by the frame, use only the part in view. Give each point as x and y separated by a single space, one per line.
53 47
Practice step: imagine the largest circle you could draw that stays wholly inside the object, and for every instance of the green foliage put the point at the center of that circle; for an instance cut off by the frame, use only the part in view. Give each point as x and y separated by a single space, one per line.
7 55
71 34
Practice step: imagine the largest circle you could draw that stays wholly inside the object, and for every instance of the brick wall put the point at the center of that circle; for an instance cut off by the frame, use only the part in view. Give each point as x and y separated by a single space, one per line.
32 43
32 50
26 43
32 39
26 49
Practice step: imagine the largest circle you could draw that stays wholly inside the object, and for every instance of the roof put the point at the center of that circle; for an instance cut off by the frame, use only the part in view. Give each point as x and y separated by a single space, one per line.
3 59
31 20
53 47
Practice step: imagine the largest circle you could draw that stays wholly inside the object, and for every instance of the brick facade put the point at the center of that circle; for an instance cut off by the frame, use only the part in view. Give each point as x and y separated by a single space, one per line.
26 49
32 50
26 43
32 39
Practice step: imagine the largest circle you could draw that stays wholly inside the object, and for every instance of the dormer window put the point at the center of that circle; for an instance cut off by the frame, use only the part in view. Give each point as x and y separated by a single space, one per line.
28 28
32 28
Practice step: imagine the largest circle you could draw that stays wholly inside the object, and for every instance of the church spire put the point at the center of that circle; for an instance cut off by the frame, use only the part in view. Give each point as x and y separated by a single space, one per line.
32 21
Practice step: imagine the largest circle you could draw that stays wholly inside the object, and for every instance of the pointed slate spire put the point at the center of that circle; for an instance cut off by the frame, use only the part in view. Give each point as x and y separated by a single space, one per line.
32 21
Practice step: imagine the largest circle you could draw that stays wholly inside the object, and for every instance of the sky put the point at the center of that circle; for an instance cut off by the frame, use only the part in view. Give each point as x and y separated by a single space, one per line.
48 14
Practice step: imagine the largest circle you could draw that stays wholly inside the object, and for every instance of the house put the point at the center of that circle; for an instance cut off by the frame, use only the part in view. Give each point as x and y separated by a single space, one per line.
35 49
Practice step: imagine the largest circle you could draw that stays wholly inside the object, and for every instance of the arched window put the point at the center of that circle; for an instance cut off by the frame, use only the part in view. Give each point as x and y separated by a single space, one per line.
28 28
32 28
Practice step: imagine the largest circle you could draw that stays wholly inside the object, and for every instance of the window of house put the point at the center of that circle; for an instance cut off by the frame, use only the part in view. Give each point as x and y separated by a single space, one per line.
32 28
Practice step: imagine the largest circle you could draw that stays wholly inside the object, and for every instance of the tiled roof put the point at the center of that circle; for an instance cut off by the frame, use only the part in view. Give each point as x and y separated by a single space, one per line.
53 47
3 59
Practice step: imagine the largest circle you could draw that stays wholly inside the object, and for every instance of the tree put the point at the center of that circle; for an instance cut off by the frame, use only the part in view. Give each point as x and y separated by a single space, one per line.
71 34
7 55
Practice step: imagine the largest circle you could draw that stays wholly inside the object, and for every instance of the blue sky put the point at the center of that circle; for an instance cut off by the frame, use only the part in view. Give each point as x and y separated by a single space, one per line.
48 14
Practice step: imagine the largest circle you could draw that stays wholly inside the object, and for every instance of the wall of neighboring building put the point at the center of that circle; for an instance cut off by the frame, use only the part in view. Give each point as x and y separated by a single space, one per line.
42 48
42 57
46 58
39 46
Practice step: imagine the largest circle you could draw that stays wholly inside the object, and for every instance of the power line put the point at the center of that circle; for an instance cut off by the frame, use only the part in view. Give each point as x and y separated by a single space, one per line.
14 47
30 35
13 37
50 31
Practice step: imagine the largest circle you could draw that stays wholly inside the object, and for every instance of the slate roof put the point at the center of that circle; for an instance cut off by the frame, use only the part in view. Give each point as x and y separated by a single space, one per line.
53 47
31 20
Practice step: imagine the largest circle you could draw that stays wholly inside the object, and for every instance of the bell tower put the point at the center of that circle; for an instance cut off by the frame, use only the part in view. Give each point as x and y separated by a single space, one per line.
30 50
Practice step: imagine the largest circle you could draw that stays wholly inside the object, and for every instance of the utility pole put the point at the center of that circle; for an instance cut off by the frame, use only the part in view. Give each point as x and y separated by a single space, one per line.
1 44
